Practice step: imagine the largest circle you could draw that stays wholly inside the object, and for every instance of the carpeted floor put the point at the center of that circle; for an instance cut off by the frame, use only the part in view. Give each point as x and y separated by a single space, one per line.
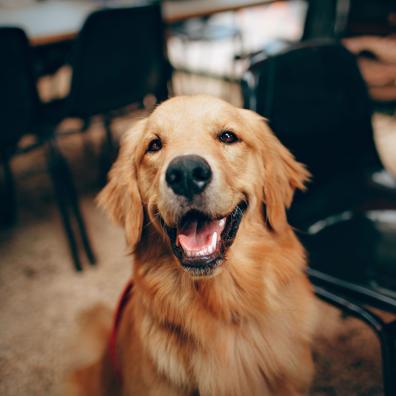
41 295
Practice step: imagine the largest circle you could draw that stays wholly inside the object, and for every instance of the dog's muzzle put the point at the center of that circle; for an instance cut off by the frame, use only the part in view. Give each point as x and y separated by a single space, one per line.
199 238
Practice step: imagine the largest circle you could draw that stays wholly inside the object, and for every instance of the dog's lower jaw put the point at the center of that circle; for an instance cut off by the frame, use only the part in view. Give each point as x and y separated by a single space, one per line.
209 271
215 236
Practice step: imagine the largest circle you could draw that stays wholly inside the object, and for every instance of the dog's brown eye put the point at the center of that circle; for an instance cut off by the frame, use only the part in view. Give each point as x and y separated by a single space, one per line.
155 145
228 137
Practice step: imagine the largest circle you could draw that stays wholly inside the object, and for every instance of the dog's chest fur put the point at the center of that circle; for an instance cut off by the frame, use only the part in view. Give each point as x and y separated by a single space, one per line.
230 362
211 355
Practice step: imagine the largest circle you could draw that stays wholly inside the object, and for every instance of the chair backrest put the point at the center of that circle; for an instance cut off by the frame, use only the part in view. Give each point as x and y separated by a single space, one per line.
118 59
320 19
326 19
18 94
318 105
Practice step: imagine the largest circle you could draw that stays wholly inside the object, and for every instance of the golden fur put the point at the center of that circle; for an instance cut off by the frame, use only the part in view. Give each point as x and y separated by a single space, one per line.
247 329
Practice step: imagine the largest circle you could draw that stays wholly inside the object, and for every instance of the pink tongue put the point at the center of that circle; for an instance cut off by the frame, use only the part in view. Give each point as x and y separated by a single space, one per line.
193 237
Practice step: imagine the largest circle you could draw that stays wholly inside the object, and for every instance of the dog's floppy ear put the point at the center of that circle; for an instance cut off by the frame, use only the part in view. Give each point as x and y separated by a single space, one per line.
282 175
120 198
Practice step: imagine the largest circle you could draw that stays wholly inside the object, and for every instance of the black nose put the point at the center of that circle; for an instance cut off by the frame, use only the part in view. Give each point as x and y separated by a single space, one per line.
188 175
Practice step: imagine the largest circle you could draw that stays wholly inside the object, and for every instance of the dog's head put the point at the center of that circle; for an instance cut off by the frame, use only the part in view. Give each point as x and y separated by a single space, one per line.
194 169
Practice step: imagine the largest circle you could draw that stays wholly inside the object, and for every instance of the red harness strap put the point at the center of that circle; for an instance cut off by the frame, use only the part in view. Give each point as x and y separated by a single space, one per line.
125 296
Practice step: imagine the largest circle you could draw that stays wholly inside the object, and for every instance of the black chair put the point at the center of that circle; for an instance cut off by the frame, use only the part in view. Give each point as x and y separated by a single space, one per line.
338 19
18 106
318 105
325 19
118 59
20 114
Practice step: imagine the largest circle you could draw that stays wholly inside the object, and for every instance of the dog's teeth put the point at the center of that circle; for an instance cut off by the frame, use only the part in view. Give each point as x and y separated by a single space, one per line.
213 242
222 222
206 251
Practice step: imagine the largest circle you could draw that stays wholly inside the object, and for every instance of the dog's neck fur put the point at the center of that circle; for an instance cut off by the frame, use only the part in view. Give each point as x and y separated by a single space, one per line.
237 299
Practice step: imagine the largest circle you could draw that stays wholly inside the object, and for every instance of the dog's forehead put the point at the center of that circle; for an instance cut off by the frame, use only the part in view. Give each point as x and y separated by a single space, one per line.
193 111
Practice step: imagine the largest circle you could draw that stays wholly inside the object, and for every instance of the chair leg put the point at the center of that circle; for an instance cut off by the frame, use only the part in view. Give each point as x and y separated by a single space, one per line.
79 219
88 147
388 348
386 334
109 150
56 170
66 196
68 184
8 208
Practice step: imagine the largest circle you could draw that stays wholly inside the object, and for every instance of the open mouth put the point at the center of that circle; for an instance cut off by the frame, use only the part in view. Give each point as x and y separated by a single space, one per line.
200 242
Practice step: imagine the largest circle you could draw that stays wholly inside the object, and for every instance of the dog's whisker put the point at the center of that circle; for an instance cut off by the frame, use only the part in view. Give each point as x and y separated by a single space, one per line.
300 231
160 222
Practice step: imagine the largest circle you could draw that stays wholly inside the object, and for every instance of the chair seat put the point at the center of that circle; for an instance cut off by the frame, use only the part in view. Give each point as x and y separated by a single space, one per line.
358 253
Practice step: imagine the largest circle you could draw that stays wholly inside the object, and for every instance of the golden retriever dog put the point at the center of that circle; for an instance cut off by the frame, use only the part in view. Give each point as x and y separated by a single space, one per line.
220 304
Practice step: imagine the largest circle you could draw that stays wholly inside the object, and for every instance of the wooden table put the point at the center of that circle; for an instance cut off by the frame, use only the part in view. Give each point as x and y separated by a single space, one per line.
53 21
180 10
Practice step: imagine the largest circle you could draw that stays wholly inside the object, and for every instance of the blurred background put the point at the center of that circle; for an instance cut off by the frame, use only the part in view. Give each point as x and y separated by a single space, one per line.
74 75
